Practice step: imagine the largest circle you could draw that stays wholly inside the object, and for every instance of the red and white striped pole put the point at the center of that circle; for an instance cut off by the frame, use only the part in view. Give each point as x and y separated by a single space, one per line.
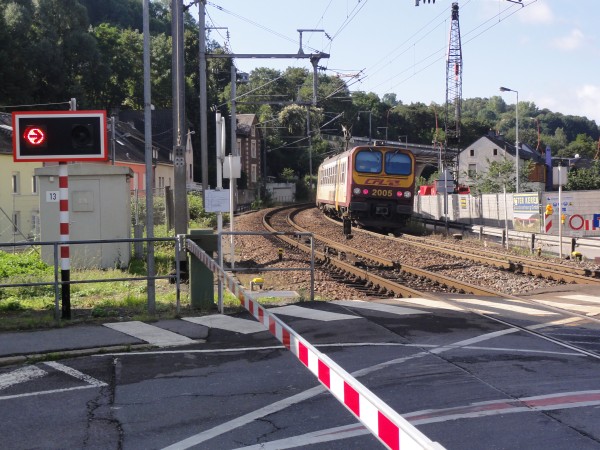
65 260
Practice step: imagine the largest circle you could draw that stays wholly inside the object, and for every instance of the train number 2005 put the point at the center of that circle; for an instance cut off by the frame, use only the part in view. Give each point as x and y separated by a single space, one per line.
382 192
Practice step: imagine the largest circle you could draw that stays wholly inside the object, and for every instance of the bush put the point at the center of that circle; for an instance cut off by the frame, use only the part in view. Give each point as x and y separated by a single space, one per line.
13 264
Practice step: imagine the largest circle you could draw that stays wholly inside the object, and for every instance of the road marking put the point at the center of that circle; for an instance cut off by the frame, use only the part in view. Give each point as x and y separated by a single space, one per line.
474 410
436 304
151 334
75 373
310 393
504 307
274 294
583 298
382 307
20 376
588 310
228 323
30 372
309 313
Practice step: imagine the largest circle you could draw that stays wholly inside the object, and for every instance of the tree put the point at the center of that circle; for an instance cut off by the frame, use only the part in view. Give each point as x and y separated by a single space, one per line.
500 175
587 178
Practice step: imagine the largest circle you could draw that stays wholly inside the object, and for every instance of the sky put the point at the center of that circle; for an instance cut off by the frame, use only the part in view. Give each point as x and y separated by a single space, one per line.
546 50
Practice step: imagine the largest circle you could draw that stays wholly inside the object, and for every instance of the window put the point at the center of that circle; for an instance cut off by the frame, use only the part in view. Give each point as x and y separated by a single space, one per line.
253 131
368 161
16 183
397 164
239 146
472 152
472 172
253 173
495 152
34 187
16 221
190 173
253 149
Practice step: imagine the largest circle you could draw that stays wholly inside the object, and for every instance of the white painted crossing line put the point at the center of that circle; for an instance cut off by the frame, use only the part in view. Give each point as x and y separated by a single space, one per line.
583 298
492 307
382 307
21 375
588 310
228 323
436 304
150 333
308 313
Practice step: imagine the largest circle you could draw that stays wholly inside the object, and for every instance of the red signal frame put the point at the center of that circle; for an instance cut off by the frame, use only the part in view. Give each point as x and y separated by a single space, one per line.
19 129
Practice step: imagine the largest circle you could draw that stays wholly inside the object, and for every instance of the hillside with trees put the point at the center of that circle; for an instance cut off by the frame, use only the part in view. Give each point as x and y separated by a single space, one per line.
54 50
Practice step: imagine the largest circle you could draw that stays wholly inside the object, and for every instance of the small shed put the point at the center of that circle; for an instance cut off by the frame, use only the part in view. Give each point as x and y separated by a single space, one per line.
99 208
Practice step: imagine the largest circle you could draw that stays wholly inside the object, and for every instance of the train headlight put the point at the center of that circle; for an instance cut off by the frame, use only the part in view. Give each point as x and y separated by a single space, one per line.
356 190
365 191
399 194
407 194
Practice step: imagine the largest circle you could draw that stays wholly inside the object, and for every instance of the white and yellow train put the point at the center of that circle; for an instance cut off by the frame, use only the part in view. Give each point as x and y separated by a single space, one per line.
370 186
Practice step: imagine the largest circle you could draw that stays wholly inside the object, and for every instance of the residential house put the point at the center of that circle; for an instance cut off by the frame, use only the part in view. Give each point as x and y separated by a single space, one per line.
248 143
475 159
129 149
19 199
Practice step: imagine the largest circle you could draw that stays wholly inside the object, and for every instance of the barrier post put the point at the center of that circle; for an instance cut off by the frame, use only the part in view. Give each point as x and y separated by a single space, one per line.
202 289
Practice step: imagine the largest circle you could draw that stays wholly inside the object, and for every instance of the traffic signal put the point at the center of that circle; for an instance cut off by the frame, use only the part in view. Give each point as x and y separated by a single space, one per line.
60 136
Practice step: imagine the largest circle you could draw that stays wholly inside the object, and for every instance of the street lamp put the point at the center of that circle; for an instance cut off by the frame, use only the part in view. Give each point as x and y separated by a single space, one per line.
505 89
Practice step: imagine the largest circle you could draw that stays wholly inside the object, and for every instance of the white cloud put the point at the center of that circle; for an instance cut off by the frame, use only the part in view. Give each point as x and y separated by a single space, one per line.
588 97
538 13
570 42
579 101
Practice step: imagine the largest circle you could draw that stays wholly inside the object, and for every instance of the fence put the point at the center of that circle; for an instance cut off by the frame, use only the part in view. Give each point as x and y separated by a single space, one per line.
61 285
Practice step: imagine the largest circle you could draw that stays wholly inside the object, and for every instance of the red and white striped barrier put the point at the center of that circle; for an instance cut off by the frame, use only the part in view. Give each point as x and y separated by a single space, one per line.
381 420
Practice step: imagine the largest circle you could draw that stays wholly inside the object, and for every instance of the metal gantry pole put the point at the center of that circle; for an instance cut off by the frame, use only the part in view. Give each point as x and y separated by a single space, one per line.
148 159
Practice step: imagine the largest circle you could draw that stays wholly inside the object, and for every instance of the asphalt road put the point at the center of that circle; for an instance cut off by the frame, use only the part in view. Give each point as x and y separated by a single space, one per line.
466 381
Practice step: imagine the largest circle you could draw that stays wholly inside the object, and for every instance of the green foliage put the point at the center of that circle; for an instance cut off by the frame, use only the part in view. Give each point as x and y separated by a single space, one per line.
30 264
500 175
288 174
587 178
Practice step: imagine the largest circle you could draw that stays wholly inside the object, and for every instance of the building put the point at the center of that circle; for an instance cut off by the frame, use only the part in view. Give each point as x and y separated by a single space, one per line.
476 157
19 199
248 143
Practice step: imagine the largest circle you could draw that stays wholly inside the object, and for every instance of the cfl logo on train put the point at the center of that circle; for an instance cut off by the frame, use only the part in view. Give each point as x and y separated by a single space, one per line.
382 182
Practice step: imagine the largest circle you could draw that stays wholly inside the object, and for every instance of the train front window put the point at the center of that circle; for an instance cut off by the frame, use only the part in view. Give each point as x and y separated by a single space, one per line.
397 164
368 161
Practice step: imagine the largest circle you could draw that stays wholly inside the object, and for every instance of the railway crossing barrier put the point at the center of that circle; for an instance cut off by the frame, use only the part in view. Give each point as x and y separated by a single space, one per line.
381 420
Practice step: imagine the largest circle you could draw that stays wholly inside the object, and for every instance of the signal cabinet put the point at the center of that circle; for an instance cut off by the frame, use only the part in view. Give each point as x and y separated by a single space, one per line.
99 208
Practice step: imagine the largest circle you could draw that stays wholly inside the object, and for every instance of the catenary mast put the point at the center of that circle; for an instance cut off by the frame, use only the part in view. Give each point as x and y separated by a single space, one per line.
454 66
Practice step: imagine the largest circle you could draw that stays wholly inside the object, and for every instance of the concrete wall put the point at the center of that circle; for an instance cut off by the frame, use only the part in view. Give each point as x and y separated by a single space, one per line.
581 210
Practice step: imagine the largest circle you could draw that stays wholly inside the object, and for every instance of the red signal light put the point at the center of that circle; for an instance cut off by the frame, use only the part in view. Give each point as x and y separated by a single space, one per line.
34 136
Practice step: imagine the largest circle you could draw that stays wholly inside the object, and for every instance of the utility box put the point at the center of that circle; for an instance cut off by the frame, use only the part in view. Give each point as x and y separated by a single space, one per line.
99 208
202 280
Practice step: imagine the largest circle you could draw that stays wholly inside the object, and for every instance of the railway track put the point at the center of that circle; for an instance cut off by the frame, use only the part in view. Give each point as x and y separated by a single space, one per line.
385 277
514 263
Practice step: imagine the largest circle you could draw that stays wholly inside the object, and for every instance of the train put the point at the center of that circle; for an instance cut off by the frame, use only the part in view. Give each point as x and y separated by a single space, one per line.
370 186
